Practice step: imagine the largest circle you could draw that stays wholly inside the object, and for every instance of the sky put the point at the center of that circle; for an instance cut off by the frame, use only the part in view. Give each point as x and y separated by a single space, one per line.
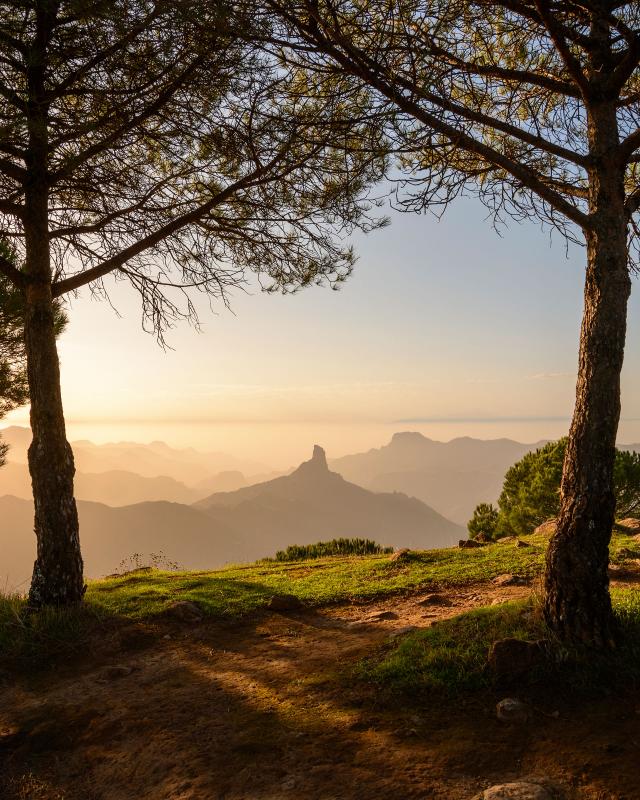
445 327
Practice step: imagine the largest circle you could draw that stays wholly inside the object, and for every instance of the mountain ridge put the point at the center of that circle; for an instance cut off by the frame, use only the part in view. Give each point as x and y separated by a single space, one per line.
253 522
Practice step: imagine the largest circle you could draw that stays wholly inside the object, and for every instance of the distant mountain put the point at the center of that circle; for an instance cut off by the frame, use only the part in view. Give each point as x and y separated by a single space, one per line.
123 488
125 473
313 503
114 488
451 477
149 460
309 505
110 535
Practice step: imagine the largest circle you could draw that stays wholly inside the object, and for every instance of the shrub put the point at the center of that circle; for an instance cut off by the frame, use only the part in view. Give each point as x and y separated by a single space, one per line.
484 520
336 547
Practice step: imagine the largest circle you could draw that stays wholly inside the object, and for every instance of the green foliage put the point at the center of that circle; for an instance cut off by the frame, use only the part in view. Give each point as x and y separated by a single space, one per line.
626 482
451 657
36 638
336 547
484 521
531 492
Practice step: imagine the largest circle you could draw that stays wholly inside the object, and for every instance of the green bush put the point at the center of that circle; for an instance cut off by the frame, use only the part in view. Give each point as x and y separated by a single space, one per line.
484 521
336 547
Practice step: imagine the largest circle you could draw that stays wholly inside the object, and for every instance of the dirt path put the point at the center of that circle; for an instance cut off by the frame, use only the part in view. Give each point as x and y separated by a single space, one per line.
252 711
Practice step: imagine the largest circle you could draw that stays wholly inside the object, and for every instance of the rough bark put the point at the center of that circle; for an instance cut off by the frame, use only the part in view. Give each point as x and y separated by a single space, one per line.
577 603
58 570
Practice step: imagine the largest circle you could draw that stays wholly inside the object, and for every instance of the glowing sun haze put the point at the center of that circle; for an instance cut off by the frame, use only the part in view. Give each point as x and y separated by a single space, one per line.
444 327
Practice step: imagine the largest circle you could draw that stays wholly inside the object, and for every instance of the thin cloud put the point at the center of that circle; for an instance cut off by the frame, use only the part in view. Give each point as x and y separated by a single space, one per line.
545 376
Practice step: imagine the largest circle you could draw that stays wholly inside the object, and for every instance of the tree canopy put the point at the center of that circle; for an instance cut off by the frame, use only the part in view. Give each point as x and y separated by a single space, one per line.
175 154
483 98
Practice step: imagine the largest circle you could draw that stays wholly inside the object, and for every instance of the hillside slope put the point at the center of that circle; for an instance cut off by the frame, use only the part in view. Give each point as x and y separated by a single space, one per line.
313 503
110 535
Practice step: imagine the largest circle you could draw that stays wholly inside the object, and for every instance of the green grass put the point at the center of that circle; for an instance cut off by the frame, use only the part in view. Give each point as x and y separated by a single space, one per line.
39 638
239 590
451 657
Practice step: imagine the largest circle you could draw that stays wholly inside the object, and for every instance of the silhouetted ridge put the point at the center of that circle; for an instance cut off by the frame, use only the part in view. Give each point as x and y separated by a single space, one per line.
317 464
409 437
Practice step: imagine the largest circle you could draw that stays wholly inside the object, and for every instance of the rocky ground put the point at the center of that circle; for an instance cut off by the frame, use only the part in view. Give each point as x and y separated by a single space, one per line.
264 710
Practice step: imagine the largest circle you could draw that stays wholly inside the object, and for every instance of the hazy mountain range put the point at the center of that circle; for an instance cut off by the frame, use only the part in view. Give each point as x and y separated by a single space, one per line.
122 473
310 504
452 477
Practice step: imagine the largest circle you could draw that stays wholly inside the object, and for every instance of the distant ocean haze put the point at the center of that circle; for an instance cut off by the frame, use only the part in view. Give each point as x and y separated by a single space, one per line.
279 446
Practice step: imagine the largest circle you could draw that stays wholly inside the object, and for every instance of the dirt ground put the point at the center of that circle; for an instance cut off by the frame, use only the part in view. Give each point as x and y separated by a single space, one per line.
253 711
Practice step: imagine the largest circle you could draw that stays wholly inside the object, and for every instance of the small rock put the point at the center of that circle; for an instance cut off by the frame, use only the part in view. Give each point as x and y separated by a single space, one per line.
185 611
519 790
631 523
507 579
434 600
547 528
402 631
520 543
116 671
400 555
380 616
284 602
507 539
167 636
482 537
514 658
497 601
512 710
470 543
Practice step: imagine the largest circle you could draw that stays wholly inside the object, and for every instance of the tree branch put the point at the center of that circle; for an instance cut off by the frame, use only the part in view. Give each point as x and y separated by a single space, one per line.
557 36
12 274
82 278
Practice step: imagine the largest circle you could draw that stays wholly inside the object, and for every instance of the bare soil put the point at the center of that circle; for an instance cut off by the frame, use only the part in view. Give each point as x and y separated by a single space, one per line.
257 710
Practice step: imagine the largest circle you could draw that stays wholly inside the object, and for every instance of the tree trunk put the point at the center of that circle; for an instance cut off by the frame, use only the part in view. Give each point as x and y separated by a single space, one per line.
58 571
577 603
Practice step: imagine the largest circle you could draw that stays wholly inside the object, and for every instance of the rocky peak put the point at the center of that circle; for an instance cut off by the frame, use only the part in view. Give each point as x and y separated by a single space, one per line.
318 462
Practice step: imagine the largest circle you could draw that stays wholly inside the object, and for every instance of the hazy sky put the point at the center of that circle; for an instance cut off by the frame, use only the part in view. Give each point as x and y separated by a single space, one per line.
444 322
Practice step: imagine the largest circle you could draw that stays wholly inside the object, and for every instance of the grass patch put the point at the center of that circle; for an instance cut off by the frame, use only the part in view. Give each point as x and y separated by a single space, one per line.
238 590
242 589
38 638
451 657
